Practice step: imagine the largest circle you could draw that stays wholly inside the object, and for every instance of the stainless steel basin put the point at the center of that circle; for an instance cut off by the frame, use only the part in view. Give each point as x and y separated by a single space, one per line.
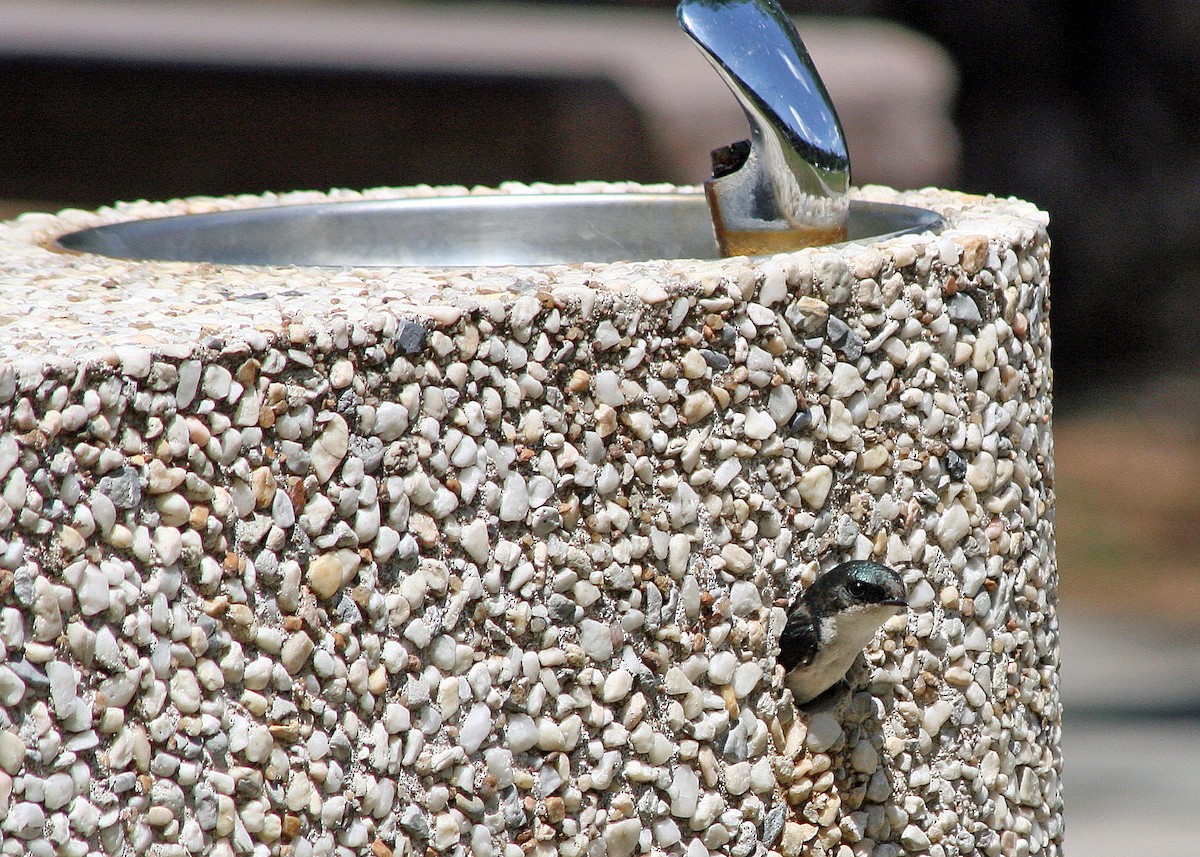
518 229
786 187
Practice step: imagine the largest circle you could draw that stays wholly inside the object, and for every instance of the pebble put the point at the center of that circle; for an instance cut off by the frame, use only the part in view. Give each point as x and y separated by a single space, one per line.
58 791
514 499
476 727
521 733
721 668
864 758
913 838
185 691
621 837
697 406
12 752
824 731
330 448
325 575
744 598
936 715
963 310
815 484
25 820
596 640
843 338
746 678
737 778
759 425
617 685
953 525
296 651
122 487
845 381
737 559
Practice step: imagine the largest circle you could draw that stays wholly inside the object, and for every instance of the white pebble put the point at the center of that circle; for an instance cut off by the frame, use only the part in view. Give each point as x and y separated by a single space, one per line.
952 526
744 598
596 640
759 425
477 725
617 685
621 837
721 667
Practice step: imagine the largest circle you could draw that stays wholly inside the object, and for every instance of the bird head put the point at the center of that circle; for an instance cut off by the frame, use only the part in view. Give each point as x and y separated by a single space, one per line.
856 585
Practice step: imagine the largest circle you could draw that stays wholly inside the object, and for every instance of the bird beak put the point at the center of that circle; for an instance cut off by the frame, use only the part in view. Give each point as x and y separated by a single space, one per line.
896 602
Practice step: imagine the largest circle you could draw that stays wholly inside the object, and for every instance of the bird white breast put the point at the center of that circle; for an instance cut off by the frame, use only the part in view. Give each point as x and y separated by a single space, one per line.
843 636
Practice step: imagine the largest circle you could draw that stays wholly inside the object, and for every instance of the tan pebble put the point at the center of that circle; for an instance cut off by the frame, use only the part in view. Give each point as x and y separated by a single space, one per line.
174 509
341 375
72 542
240 614
794 837
377 681
797 732
443 316
247 373
580 381
120 536
697 406
729 697
903 255
873 458
555 809
974 253
331 447
693 364
814 312
606 420
255 703
325 575
199 517
651 291
288 733
958 676
737 559
814 486
424 528
296 651
198 432
262 480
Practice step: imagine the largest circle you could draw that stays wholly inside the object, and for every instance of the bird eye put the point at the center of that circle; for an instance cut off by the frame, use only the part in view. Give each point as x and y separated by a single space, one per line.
863 591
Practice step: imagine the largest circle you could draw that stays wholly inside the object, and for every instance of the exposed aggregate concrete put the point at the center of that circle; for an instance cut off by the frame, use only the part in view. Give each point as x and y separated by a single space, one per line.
314 561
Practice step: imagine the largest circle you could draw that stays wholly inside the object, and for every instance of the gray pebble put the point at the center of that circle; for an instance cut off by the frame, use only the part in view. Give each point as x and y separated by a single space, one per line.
122 487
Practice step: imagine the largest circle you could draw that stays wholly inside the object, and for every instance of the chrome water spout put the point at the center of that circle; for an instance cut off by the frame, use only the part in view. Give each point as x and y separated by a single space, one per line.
786 187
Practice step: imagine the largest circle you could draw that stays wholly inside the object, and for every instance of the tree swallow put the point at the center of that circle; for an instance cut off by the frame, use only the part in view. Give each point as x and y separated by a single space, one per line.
833 621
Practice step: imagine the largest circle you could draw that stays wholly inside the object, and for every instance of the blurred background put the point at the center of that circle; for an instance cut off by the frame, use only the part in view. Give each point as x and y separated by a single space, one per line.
1091 111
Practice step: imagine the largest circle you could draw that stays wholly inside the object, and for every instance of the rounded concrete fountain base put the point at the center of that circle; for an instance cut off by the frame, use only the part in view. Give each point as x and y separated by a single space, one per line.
315 561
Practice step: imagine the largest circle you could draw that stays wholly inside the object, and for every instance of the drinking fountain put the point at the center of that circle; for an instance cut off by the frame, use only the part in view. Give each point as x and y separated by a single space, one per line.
427 520
785 188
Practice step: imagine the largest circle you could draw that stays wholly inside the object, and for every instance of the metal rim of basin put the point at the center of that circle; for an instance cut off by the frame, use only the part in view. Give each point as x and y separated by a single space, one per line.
457 231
